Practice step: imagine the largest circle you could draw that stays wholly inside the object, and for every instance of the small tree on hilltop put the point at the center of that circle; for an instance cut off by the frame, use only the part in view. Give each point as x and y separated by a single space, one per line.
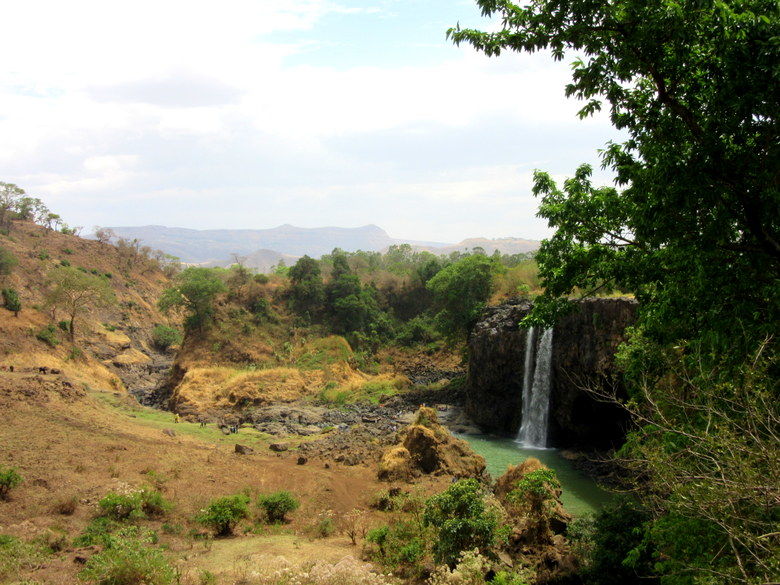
74 291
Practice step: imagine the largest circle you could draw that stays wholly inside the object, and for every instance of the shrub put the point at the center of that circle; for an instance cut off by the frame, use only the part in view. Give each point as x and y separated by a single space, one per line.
65 263
535 496
164 337
134 504
48 335
43 255
619 553
223 513
9 479
11 300
66 505
402 546
67 251
64 325
463 520
418 330
121 506
354 525
277 505
325 525
129 561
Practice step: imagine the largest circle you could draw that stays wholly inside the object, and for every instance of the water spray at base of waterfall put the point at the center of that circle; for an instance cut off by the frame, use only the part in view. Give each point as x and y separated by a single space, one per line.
536 391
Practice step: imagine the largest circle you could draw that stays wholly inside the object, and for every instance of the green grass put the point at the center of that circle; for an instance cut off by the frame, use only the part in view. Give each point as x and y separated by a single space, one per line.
373 392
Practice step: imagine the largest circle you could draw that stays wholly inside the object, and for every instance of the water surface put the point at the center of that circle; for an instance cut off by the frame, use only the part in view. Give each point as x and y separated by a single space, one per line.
581 494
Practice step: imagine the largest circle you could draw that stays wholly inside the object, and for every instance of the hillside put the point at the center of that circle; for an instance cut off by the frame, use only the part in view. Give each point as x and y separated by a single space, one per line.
112 346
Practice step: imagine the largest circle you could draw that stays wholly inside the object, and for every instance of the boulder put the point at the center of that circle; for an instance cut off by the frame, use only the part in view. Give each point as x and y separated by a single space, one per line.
244 450
279 447
426 447
169 432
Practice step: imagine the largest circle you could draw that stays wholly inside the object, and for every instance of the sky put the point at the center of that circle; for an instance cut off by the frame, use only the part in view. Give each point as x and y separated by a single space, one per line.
257 113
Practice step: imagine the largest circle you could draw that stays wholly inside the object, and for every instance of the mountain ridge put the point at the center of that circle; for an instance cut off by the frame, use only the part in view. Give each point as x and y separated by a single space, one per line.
289 242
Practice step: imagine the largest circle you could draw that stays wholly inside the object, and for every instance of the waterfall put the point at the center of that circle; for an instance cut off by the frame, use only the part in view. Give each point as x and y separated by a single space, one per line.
536 391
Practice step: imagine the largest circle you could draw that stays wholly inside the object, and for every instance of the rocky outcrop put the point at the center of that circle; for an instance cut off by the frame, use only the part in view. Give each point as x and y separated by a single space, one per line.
426 447
584 345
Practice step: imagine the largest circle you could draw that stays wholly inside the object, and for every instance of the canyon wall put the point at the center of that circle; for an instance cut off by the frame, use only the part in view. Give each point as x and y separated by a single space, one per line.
584 344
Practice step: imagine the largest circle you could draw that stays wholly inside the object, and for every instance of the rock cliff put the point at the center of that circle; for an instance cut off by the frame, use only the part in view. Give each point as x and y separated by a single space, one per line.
584 344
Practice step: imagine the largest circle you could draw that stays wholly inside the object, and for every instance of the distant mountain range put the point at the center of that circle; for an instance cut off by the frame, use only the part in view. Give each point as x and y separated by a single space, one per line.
261 249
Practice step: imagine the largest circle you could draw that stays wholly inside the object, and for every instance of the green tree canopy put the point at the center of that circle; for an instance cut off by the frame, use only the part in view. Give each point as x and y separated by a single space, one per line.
194 291
75 291
307 291
694 229
460 292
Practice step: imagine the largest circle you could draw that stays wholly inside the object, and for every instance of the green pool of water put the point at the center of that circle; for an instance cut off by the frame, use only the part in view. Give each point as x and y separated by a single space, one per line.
581 494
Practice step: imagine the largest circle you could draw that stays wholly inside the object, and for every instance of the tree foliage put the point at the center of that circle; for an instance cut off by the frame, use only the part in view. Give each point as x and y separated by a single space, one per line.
75 291
194 290
463 520
692 228
460 292
307 291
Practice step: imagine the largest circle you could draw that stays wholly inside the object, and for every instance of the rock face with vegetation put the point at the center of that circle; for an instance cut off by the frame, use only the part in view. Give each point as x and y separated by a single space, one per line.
584 344
426 447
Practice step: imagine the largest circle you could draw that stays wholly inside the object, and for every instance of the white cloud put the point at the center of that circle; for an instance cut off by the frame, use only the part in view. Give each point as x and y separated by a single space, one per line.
149 101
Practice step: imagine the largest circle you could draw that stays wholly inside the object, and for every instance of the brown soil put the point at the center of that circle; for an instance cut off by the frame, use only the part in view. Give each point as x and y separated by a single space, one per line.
66 443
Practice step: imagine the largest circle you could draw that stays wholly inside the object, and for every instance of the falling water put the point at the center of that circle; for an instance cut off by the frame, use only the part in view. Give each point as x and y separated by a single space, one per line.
536 393
528 371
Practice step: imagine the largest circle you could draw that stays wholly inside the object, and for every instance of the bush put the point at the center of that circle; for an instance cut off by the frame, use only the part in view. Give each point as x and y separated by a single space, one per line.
223 513
618 553
277 505
48 335
129 561
65 263
136 504
164 337
463 521
9 479
402 546
418 330
11 300
64 326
